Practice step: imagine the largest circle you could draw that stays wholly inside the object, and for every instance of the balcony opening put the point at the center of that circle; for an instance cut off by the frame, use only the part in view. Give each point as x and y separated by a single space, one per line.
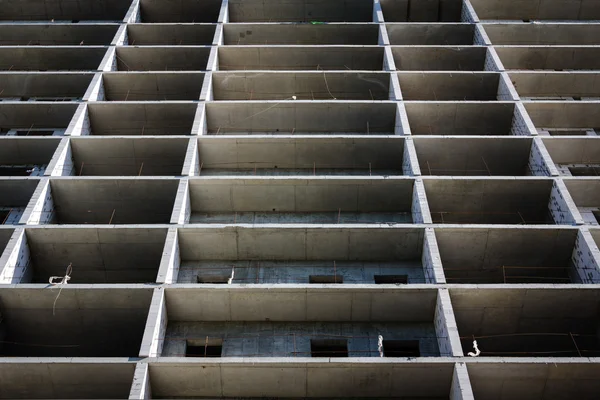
401 348
329 348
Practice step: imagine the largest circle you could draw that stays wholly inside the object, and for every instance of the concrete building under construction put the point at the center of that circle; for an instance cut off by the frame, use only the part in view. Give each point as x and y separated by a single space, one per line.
301 199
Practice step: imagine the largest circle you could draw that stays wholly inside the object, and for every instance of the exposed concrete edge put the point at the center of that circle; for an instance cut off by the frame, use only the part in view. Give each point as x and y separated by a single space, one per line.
191 163
213 59
140 387
468 13
431 259
410 163
40 209
420 206
224 13
383 38
206 93
395 93
95 91
133 15
377 12
492 60
445 326
61 163
402 126
68 360
505 85
586 257
121 38
156 326
170 261
109 61
199 126
569 212
480 36
546 158
15 259
303 362
219 36
80 123
461 384
388 59
521 112
182 209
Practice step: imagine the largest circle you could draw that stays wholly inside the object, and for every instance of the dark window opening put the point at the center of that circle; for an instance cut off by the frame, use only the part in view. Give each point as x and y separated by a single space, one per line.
329 348
7 170
33 133
325 279
401 348
212 348
596 215
568 132
219 279
4 216
390 279
584 171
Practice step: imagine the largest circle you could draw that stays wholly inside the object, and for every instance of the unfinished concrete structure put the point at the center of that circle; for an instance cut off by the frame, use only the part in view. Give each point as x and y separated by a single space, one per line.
300 199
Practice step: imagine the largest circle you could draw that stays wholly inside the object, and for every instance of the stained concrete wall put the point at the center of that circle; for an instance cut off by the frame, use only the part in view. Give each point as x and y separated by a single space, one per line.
430 34
282 339
152 86
300 34
300 11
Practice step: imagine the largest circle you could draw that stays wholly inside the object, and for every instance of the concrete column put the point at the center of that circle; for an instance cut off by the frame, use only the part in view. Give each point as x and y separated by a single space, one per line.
109 62
40 209
206 94
445 326
224 13
15 261
168 270
121 38
388 59
395 91
506 90
377 12
420 207
468 13
521 123
156 326
213 59
461 384
62 163
133 14
191 163
182 209
431 259
402 126
140 388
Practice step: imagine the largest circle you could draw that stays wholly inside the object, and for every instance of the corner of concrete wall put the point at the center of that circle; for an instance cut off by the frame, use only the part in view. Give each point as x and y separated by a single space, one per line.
586 257
80 124
109 61
191 163
561 205
16 259
40 209
445 326
461 384
402 126
133 14
219 37
199 126
95 91
377 12
182 209
395 93
206 94
156 325
521 123
506 90
121 38
420 208
410 164
213 59
540 163
431 259
480 37
140 387
468 13
61 163
492 61
388 59
224 13
170 262
382 37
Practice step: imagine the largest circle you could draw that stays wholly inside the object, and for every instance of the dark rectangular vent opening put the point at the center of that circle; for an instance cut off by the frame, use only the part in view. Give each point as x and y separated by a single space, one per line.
329 348
391 279
401 348
326 279
217 279
211 348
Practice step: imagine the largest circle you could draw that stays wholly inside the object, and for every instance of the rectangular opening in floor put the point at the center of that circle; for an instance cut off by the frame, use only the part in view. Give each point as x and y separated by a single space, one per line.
325 279
390 279
401 348
207 348
329 348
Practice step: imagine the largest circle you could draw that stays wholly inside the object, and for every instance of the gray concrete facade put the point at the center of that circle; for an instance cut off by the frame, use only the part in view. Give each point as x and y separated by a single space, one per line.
321 199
